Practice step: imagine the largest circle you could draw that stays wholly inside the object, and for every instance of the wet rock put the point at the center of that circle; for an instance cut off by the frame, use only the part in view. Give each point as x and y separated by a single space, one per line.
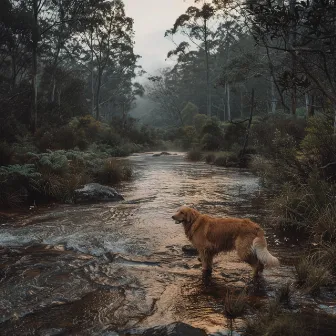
189 250
162 153
95 192
109 256
174 329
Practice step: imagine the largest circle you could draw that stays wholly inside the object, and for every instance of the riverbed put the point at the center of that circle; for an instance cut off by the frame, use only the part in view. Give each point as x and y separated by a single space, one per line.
120 267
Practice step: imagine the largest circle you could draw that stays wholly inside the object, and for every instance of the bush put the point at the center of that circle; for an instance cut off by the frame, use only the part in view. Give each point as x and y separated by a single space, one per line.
227 160
188 137
263 132
319 147
312 274
210 158
274 321
194 155
16 181
234 135
6 153
113 172
235 304
211 142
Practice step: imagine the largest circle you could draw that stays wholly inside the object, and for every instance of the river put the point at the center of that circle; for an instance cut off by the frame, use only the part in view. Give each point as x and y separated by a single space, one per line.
94 269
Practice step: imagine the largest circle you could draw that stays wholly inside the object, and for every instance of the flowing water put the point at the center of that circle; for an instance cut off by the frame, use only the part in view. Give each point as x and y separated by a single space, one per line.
94 269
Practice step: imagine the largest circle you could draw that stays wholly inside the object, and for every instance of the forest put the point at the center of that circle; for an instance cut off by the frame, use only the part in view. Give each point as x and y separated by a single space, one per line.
252 86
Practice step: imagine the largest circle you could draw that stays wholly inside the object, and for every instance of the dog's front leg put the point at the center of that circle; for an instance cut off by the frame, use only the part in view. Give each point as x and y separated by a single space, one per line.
206 259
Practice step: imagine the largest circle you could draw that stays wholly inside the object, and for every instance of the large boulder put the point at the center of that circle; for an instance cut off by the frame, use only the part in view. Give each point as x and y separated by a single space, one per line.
95 192
174 329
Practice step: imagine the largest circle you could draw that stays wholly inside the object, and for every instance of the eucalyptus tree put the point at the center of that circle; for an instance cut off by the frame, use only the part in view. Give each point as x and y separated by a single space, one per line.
195 24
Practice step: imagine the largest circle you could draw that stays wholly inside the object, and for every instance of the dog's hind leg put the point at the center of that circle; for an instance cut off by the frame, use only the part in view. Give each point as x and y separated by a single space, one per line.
206 257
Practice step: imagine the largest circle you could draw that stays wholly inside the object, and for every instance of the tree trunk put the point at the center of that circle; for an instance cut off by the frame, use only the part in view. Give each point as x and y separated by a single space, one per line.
98 93
60 41
273 96
35 37
53 90
311 111
228 102
242 153
241 104
292 42
92 79
13 79
224 112
206 48
307 104
293 100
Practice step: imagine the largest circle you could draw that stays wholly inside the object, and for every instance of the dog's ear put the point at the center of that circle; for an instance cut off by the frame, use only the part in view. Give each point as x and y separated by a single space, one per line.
191 215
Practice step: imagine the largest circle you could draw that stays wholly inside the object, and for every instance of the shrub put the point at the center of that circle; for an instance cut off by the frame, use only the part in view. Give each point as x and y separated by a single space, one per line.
234 135
62 188
55 162
200 120
16 181
6 153
311 274
276 322
227 160
210 158
263 132
188 137
113 172
319 147
235 304
194 155
211 142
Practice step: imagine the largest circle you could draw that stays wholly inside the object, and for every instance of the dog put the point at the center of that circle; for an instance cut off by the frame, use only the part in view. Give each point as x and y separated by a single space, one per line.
211 235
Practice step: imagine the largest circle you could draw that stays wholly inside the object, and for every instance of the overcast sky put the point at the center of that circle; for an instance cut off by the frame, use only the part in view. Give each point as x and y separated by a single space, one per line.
151 19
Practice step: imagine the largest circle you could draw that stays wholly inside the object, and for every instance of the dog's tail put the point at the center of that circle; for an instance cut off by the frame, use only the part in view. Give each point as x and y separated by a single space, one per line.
259 247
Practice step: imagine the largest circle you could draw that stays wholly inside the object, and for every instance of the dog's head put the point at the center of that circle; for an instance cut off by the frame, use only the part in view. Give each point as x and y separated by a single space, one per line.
185 215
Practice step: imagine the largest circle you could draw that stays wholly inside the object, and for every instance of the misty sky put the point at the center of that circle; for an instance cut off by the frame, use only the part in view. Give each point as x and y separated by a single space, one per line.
151 19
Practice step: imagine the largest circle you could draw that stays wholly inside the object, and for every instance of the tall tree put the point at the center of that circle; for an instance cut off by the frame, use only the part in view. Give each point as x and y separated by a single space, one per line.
107 36
195 24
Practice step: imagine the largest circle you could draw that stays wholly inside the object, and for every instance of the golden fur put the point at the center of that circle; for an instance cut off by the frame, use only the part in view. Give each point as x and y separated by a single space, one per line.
211 235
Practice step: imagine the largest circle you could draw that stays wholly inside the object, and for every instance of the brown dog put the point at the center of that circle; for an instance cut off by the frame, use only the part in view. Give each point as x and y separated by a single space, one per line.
211 235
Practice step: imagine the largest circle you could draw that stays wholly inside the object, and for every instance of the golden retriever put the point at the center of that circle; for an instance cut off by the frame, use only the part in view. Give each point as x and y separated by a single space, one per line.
211 235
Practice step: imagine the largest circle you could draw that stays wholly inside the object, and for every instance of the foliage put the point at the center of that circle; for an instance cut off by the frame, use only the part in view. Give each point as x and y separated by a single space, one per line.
227 159
113 172
235 304
200 120
188 137
194 155
6 153
210 158
16 181
312 274
189 113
